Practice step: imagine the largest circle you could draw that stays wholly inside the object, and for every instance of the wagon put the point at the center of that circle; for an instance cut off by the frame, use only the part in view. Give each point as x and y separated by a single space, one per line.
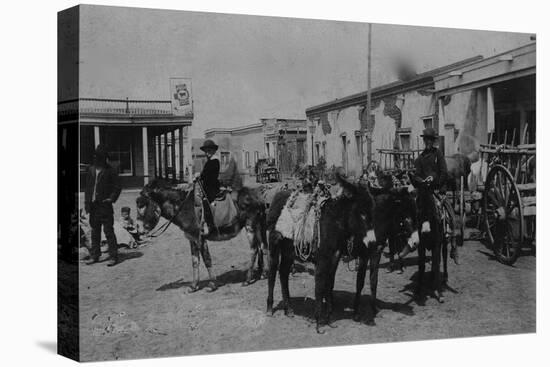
266 171
509 198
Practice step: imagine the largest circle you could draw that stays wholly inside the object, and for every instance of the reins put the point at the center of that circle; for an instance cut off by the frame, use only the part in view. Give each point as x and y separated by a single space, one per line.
165 226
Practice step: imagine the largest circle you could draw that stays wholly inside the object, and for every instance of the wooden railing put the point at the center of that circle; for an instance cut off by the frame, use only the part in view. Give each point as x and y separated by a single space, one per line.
125 107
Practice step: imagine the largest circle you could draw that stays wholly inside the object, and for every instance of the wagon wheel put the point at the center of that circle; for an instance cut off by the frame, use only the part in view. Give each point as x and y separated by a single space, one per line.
503 214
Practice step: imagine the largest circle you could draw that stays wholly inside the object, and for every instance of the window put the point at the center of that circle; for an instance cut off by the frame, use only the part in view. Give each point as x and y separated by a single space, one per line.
317 151
256 156
358 145
247 159
324 149
405 141
267 150
120 152
224 156
428 121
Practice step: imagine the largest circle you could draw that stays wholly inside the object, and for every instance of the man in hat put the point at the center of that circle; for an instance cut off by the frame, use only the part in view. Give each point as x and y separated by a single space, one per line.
209 180
102 190
430 176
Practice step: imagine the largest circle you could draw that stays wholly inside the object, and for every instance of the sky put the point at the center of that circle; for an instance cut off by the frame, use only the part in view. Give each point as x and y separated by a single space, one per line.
244 68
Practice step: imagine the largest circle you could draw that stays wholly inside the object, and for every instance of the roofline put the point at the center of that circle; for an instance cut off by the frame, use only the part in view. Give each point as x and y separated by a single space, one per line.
425 79
231 130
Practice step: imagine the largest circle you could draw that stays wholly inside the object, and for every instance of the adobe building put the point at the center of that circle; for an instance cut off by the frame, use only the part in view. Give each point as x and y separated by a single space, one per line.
491 99
342 133
281 139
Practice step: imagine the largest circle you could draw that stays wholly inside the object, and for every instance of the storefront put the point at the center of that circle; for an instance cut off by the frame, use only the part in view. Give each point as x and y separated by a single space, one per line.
144 139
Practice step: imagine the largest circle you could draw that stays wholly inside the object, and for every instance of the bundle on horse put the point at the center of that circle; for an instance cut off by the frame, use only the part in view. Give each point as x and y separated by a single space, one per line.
182 208
293 227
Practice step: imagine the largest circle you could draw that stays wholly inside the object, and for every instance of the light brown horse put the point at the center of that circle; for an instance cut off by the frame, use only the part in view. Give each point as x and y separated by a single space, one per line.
178 207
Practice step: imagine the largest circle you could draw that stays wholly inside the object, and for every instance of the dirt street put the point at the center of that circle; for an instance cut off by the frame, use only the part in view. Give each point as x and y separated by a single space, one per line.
140 308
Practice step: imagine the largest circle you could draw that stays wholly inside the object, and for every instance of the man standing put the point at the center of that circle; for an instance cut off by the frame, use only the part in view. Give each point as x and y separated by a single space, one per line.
102 190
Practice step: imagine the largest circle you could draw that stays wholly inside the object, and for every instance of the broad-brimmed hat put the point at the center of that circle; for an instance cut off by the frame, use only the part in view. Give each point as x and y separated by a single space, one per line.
209 144
429 133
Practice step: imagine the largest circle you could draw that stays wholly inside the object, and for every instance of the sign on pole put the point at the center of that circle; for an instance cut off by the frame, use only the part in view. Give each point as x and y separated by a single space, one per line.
181 96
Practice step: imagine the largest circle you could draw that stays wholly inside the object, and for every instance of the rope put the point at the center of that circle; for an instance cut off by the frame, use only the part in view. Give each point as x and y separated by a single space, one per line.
165 226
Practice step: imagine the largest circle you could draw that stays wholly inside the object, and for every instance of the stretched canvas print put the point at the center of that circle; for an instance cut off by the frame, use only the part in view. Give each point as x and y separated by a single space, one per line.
227 182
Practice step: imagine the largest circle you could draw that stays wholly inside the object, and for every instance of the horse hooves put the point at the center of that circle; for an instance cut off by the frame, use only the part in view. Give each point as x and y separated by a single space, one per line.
211 287
319 331
439 297
246 283
269 312
192 288
370 322
289 312
356 318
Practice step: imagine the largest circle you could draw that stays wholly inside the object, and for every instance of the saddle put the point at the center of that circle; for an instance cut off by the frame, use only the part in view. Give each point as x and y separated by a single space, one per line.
224 210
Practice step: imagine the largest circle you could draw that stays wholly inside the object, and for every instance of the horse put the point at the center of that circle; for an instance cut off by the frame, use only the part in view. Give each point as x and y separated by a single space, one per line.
433 238
179 208
395 221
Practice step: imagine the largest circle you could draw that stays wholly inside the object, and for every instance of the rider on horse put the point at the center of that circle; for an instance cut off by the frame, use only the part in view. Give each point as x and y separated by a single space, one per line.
429 177
209 182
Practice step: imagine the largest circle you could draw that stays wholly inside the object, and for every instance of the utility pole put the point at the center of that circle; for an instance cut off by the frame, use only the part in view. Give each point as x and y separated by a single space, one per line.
369 133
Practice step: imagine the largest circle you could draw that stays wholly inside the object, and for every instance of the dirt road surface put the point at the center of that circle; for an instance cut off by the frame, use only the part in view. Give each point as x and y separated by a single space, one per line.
140 308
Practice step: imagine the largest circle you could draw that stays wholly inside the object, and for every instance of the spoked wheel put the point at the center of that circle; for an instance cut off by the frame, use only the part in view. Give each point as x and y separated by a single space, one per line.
503 214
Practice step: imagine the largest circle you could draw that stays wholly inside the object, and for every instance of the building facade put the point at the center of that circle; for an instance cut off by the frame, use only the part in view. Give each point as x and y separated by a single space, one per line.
489 101
144 139
280 139
343 134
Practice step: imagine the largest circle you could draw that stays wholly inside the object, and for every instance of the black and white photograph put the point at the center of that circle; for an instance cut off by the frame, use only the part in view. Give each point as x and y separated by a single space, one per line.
237 183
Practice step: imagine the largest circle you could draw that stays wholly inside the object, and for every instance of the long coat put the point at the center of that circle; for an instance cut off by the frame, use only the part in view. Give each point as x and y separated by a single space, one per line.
209 178
108 186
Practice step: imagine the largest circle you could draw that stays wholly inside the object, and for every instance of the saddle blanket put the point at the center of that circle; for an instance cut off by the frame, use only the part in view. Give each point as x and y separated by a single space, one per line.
298 218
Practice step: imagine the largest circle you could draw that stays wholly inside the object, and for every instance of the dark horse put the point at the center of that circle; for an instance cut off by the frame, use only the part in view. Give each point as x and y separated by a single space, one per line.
344 219
179 207
395 221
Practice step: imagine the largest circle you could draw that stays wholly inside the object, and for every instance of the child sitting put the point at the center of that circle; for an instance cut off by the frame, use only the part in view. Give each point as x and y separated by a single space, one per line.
127 223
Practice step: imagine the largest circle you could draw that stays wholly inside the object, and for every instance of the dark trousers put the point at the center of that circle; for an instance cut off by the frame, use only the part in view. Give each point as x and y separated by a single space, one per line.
101 214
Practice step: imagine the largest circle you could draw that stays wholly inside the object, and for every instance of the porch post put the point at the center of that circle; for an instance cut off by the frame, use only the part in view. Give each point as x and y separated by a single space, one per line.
155 165
173 152
145 147
96 136
182 170
158 149
166 156
490 111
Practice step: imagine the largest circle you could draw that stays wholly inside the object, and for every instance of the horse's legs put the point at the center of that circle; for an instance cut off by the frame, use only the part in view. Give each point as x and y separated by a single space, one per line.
329 296
273 264
207 258
359 284
321 280
421 262
253 243
375 255
195 258
436 260
287 259
444 252
263 259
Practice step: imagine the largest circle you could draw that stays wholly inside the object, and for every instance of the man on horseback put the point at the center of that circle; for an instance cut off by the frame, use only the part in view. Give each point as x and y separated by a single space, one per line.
209 182
429 178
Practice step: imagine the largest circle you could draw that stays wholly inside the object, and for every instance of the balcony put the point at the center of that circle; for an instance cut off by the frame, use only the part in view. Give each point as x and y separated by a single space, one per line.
117 109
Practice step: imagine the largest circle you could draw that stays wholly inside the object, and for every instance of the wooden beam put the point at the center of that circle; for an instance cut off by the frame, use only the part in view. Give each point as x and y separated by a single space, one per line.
182 169
173 153
145 147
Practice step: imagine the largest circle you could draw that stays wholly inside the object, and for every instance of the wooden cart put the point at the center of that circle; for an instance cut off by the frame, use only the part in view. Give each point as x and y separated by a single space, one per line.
509 198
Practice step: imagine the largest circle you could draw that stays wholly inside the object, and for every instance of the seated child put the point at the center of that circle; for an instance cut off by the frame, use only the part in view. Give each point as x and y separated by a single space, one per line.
127 223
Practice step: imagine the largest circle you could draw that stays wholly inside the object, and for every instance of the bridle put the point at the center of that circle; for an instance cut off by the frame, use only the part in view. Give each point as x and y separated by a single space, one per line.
164 226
